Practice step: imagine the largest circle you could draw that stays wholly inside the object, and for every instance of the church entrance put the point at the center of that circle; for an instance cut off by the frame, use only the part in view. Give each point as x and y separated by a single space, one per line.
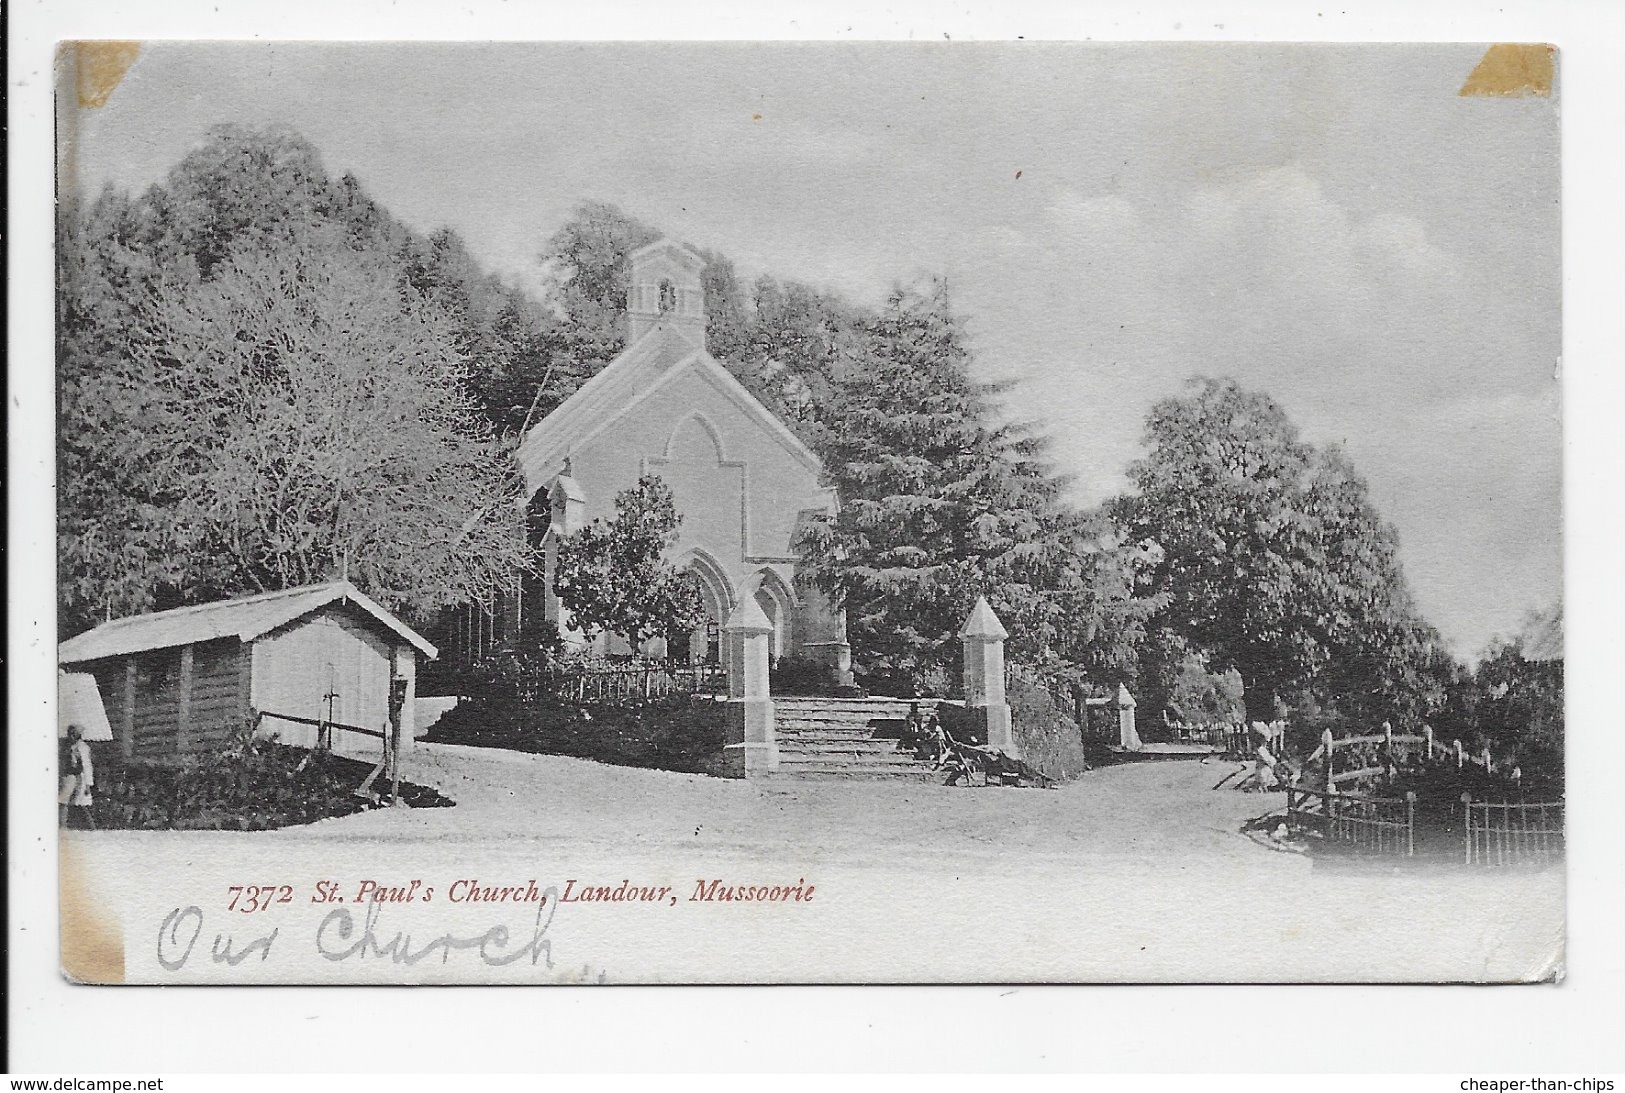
703 645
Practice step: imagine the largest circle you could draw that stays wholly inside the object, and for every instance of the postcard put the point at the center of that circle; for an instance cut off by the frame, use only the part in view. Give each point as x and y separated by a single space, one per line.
824 512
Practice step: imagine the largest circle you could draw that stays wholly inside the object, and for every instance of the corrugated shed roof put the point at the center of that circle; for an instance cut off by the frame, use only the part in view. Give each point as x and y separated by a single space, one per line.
245 619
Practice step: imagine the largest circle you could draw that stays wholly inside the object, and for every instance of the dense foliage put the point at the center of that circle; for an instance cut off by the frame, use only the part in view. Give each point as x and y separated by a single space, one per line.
1049 740
255 785
675 733
1272 560
613 576
251 397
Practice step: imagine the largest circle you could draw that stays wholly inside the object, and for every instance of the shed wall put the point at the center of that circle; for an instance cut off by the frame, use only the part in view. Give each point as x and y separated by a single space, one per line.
332 652
216 709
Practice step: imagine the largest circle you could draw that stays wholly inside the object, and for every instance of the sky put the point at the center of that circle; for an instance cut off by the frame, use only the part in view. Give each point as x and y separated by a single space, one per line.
1332 225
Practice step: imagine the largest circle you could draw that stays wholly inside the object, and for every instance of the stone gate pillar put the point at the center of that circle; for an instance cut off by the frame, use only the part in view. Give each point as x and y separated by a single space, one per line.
752 746
982 638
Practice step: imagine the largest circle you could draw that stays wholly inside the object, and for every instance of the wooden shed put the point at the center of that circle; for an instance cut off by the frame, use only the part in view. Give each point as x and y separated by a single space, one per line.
182 681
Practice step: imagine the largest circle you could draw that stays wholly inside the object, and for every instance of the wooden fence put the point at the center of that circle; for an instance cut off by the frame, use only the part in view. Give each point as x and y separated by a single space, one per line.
1511 834
1380 754
1220 736
1485 832
388 764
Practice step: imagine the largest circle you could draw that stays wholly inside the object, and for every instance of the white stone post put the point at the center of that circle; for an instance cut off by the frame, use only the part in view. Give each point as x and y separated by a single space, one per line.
752 745
982 638
1127 735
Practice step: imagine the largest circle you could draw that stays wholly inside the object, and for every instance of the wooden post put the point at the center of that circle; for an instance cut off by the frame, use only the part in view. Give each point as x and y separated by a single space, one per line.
1328 745
183 702
1427 737
1467 824
1410 823
126 743
1487 767
397 702
1388 765
1461 754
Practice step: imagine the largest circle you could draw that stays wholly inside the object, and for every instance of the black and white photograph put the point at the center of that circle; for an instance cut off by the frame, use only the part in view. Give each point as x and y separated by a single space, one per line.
684 512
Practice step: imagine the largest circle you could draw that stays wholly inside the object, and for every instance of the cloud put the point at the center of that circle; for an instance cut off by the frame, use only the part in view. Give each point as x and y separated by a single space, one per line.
1368 330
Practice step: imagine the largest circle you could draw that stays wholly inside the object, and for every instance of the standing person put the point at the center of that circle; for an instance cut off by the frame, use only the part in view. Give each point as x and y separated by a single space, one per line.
78 778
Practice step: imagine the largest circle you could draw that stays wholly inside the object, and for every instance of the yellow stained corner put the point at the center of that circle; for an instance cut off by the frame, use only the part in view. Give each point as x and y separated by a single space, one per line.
1512 70
92 940
99 66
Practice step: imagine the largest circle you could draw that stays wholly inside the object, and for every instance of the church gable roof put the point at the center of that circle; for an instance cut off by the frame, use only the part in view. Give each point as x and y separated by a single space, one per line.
643 370
666 335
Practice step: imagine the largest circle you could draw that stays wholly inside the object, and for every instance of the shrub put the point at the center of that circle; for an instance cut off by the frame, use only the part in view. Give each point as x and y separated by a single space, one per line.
253 785
1047 736
802 676
929 681
674 733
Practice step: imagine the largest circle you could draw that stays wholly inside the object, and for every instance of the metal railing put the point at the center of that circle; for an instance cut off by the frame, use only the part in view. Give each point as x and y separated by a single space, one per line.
1383 825
1512 834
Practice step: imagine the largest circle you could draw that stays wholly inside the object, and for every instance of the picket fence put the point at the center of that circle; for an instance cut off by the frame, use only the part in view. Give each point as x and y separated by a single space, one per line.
616 684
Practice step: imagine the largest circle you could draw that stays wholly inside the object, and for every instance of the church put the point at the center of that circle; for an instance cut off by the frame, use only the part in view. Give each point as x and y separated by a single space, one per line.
743 483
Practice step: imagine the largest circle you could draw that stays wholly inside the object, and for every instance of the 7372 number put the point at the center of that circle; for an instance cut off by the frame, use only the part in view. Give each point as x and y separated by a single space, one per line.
248 898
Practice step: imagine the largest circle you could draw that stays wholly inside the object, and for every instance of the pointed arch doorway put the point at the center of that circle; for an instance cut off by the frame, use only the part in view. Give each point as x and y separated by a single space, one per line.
704 644
778 603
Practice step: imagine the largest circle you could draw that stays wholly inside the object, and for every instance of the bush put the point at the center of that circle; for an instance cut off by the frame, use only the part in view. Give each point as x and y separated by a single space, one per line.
255 785
675 733
803 676
1049 739
929 681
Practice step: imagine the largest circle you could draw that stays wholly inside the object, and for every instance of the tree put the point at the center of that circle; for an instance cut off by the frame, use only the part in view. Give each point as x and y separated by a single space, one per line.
253 391
1274 562
519 366
314 421
1519 701
939 501
119 532
613 577
1204 696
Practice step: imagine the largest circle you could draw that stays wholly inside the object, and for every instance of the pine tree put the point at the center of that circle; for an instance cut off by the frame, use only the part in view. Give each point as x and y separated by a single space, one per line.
940 503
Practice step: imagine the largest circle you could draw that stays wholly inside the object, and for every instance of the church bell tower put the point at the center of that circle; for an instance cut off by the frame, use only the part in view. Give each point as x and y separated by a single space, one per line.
666 292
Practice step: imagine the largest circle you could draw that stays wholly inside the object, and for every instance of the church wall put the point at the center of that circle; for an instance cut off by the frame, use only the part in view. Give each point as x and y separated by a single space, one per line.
754 481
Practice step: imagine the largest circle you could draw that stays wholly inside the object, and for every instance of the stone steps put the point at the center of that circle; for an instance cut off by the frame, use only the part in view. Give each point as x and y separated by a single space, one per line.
918 773
790 746
834 739
831 729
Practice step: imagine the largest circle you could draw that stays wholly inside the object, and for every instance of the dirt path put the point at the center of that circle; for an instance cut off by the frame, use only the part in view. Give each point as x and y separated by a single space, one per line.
1139 872
1139 811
